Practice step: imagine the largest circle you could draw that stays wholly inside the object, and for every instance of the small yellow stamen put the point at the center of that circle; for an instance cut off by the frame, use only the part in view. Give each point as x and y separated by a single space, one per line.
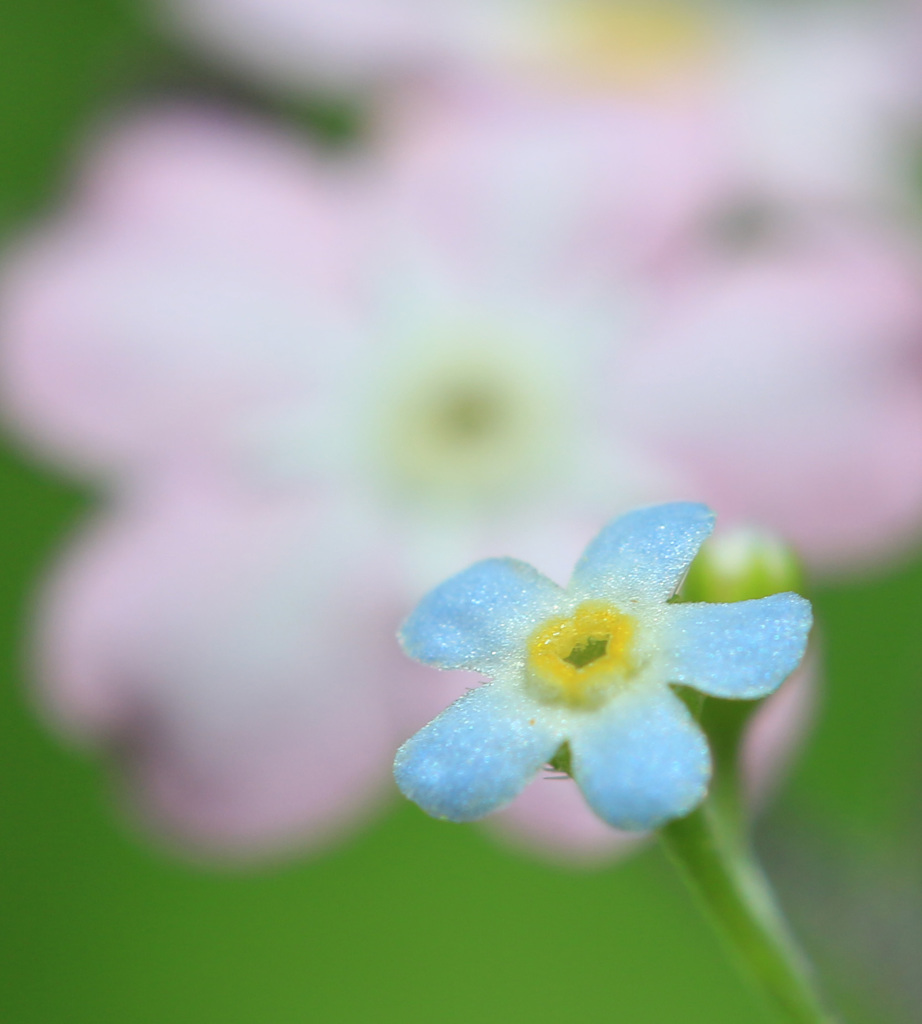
577 661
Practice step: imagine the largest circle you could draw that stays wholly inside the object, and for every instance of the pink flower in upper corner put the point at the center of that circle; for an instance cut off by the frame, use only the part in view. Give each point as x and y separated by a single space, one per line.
314 388
815 103
760 375
342 43
821 103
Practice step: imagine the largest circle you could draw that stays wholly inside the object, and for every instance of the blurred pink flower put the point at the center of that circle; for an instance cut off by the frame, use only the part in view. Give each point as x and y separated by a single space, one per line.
181 632
817 102
313 389
790 381
344 43
821 103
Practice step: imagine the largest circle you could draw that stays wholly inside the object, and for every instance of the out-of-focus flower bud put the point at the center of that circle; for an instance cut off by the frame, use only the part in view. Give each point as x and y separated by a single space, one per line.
742 564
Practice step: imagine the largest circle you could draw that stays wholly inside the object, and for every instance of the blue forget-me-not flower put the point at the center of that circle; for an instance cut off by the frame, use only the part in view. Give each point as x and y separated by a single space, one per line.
592 666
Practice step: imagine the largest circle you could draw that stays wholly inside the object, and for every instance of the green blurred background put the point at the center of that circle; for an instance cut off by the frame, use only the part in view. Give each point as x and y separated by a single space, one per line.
414 920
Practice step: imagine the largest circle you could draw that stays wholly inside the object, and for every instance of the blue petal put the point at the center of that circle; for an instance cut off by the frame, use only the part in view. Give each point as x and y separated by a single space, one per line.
642 556
642 760
743 650
477 755
480 617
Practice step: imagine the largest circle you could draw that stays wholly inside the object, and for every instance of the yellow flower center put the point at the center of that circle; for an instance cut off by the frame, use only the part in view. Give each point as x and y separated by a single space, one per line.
577 661
631 42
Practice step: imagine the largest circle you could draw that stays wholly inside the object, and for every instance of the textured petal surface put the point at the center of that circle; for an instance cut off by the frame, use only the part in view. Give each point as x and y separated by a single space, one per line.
643 555
481 617
212 645
477 755
551 819
743 650
641 761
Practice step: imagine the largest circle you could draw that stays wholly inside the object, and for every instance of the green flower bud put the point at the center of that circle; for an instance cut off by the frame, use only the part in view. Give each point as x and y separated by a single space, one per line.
742 564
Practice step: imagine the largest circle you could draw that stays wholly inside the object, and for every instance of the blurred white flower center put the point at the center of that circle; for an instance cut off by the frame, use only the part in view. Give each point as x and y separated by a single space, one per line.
469 412
469 426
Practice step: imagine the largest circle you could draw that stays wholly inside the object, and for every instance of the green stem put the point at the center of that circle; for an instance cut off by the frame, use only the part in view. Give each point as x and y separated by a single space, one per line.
717 864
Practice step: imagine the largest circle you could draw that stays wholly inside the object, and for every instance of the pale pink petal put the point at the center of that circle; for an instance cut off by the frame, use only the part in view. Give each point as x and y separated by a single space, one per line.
306 44
822 101
515 175
201 269
789 384
347 44
231 653
298 43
